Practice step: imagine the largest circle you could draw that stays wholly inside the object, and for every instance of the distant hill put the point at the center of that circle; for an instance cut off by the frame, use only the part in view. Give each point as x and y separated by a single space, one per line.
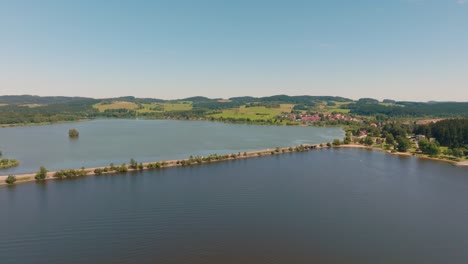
196 99
26 109
298 99
34 99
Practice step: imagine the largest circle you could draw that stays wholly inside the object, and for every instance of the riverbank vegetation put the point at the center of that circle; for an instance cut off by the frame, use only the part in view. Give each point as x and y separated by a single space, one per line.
445 139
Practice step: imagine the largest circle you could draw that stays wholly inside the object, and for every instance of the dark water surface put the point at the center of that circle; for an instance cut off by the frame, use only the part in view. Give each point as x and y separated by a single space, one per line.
324 206
104 141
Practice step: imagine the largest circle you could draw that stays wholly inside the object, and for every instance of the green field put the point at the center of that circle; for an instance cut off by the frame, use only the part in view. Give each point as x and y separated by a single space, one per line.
115 105
178 106
324 108
151 108
165 107
254 113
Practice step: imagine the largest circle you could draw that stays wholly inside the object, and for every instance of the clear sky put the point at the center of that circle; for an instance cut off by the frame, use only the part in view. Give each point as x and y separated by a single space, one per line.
398 49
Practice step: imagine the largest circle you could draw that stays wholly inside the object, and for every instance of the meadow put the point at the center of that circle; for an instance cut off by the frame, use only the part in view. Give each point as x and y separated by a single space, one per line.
254 113
115 105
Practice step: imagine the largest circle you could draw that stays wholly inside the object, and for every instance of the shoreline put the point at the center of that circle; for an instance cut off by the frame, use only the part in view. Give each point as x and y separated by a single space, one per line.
175 119
28 177
44 123
463 163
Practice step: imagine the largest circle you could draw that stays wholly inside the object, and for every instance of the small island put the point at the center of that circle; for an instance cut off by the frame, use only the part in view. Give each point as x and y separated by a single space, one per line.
8 163
73 133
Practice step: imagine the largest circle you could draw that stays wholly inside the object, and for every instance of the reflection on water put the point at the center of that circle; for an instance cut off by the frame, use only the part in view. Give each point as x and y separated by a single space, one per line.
324 206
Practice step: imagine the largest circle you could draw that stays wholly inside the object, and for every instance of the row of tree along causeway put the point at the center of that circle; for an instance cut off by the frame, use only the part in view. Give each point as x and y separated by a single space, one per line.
134 166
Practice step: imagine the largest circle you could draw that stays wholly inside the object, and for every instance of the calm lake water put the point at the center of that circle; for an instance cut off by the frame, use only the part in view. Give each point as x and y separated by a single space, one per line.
324 206
104 141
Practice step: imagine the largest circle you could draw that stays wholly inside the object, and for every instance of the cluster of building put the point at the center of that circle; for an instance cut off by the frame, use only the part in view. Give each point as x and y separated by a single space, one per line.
426 122
310 118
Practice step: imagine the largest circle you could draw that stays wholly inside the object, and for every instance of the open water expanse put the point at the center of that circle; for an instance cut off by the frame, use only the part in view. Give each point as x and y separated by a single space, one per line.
323 206
110 140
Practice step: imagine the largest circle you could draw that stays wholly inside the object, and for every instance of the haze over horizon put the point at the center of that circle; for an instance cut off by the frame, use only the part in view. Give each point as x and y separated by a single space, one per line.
408 50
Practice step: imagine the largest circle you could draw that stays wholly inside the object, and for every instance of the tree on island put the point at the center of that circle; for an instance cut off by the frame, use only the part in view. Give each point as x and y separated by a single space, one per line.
73 133
41 174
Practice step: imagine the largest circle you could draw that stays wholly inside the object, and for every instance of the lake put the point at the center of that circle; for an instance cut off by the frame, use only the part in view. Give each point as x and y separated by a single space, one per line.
114 140
323 206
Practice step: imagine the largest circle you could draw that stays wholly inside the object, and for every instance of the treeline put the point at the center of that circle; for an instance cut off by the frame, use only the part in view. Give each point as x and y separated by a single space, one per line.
247 120
117 113
34 99
452 133
134 100
449 133
408 109
69 111
177 114
264 104
215 105
269 102
286 99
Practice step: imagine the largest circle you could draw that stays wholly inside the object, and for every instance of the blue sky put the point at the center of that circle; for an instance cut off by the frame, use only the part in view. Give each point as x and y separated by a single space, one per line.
399 49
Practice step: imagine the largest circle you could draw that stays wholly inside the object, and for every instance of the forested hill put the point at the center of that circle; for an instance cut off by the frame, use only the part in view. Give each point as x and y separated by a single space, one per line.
301 99
41 100
25 109
409 109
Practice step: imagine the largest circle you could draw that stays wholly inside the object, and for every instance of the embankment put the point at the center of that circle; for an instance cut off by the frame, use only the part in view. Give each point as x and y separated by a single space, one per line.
219 158
175 163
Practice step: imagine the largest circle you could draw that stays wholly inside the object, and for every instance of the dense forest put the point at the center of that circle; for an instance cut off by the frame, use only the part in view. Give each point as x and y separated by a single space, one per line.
270 101
409 109
285 99
67 110
452 133
34 99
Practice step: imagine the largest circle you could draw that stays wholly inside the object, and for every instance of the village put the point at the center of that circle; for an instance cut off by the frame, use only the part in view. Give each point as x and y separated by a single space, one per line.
318 117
